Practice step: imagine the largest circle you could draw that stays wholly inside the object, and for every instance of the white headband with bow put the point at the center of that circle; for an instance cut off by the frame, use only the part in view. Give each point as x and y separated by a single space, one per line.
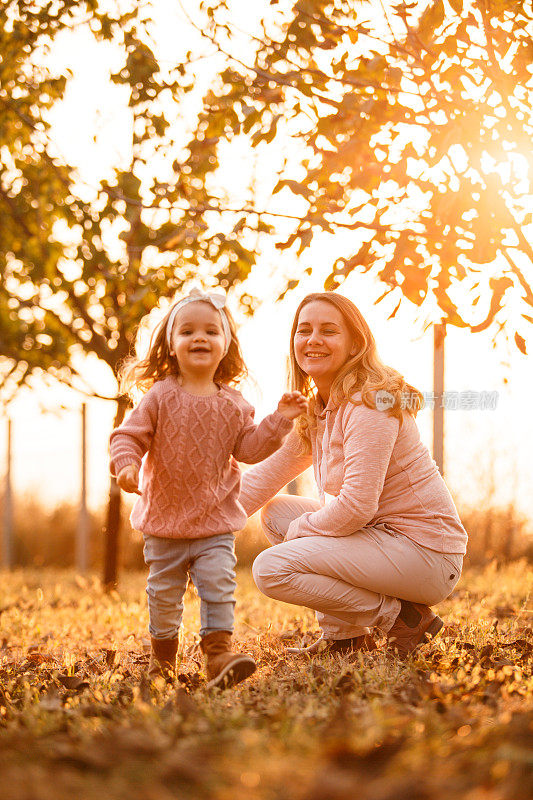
218 301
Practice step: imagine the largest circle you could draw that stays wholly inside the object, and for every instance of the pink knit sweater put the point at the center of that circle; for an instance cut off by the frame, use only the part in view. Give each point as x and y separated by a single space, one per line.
378 473
190 479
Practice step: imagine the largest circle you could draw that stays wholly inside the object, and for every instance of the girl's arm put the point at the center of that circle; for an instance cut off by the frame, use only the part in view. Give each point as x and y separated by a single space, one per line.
369 438
130 441
262 482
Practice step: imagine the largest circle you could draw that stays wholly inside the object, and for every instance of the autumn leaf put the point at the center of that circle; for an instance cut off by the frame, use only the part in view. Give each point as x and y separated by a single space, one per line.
457 6
520 343
73 682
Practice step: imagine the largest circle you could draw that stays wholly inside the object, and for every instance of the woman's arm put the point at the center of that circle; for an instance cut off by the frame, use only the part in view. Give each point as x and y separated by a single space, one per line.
257 442
369 438
262 482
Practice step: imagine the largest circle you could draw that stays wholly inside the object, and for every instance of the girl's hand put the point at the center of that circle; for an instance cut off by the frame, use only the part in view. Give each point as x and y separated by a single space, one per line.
128 479
292 404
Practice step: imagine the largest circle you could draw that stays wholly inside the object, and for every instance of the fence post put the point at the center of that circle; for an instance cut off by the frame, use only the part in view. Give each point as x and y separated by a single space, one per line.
7 549
82 539
439 335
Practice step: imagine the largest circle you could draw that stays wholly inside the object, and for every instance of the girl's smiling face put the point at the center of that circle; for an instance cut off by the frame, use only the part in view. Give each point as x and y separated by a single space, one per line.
322 343
197 339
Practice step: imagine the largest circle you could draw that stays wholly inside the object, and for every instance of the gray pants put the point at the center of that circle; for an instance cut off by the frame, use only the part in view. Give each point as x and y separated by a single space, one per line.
353 582
209 562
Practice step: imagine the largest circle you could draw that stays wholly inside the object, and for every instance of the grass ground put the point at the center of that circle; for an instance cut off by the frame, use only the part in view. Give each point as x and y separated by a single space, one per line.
78 719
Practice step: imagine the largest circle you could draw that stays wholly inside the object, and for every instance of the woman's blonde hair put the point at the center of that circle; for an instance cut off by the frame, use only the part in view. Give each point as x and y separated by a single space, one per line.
363 371
142 373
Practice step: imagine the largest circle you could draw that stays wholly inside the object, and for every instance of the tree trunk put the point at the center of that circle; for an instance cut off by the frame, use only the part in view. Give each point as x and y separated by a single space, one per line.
112 529
507 548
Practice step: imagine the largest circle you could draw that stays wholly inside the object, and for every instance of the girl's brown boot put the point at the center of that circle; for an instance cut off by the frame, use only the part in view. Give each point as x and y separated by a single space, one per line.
163 658
224 668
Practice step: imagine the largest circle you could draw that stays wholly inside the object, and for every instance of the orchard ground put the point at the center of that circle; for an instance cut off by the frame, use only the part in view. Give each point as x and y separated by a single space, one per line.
78 718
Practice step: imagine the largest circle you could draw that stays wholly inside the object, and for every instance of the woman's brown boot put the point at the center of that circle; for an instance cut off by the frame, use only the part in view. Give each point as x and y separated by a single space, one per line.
163 658
414 625
224 668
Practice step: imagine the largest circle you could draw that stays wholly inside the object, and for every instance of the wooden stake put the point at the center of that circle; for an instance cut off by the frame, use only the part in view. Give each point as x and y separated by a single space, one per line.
82 539
439 335
7 549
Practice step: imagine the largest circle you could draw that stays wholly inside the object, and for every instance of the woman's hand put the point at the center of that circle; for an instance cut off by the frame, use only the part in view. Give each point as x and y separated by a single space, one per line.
293 531
128 479
292 404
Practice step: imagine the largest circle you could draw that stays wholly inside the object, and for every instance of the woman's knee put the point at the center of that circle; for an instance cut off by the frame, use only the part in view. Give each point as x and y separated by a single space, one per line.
266 571
258 571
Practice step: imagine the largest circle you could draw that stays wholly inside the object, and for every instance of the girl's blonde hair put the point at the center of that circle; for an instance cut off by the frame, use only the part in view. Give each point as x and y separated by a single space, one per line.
364 371
142 373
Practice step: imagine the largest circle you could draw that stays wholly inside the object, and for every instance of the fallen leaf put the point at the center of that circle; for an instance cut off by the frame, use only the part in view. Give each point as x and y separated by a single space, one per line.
190 680
345 684
36 658
112 658
503 662
486 651
73 682
504 611
519 644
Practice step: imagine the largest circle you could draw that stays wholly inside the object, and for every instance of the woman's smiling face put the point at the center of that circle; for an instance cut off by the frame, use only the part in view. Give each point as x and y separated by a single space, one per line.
322 343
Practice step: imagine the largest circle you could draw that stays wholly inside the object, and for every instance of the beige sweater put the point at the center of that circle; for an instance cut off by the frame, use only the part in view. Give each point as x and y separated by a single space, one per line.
378 473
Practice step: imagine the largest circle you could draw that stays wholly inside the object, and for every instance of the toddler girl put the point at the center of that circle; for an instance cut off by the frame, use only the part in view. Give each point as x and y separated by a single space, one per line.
192 426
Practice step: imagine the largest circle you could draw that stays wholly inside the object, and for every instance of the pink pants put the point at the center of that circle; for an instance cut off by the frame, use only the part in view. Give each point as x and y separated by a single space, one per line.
353 582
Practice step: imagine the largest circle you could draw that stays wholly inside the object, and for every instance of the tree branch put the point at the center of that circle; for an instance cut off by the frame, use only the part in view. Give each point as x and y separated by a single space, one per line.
520 275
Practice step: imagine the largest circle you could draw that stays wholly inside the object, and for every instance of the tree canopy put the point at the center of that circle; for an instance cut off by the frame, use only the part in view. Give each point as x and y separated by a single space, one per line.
65 286
414 122
409 126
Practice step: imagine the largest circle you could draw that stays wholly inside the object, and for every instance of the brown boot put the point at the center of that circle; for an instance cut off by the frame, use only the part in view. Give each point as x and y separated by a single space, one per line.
344 647
414 625
224 668
163 658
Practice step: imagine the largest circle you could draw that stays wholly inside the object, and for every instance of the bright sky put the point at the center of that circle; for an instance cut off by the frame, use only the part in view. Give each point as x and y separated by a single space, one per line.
483 448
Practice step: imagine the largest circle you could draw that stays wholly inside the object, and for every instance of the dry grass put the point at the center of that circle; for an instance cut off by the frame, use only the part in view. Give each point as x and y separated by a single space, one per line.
78 718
